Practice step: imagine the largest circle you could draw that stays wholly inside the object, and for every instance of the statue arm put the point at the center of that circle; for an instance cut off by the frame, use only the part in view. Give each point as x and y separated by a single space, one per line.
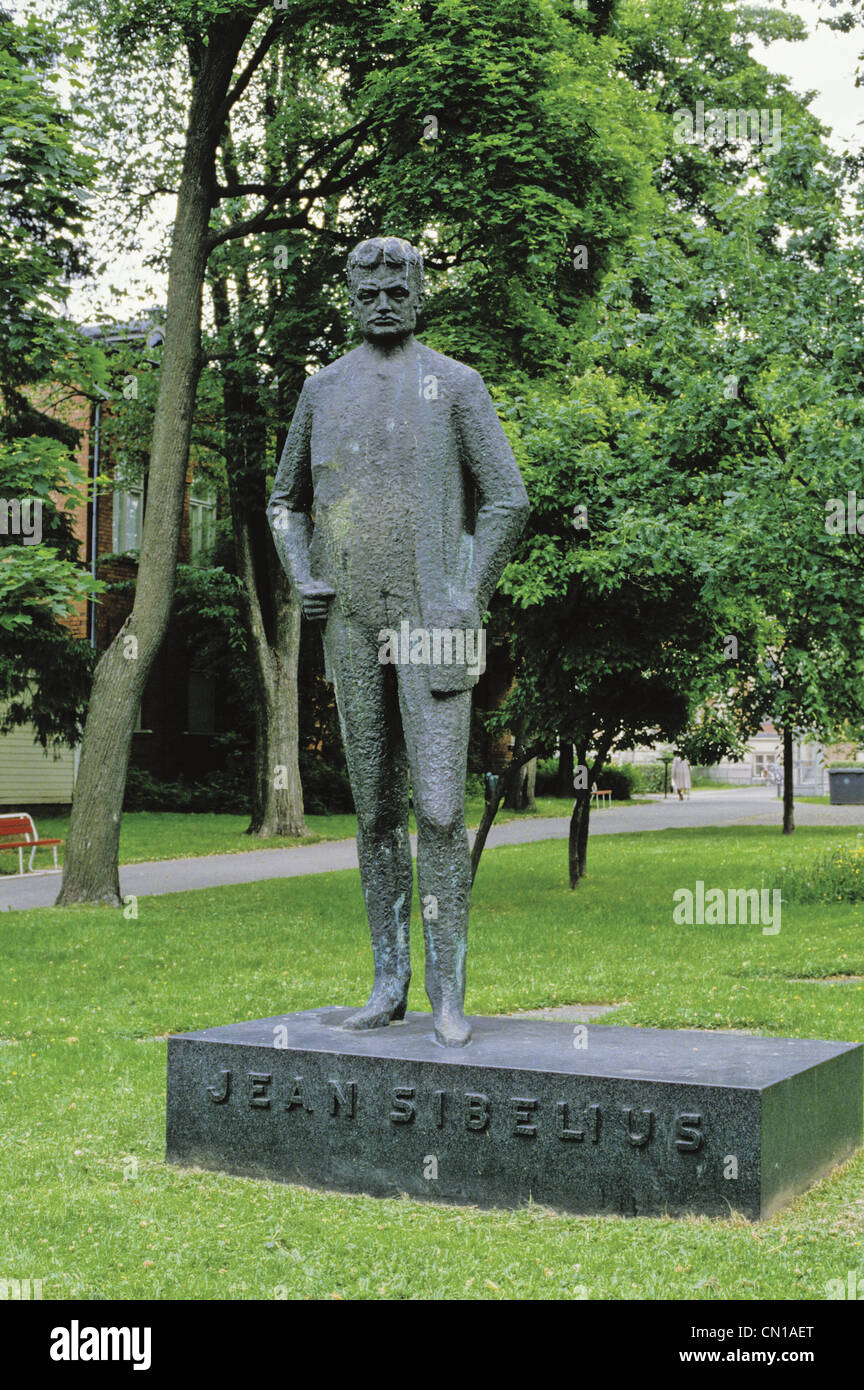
290 506
504 506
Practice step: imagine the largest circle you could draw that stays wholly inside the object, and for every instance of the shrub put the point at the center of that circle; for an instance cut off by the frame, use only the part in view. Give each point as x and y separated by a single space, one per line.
649 776
144 792
834 876
326 790
546 783
219 793
617 780
474 784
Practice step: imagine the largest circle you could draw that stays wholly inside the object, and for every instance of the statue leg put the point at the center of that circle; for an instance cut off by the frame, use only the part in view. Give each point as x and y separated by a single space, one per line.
378 771
436 732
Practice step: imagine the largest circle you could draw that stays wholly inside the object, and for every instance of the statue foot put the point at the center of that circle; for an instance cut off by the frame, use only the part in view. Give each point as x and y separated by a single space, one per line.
378 1011
452 1029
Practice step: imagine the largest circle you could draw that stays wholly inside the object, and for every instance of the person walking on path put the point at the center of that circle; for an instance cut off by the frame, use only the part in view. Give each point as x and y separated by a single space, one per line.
680 777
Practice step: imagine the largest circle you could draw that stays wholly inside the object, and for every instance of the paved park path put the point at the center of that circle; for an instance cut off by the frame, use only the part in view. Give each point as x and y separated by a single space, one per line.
747 806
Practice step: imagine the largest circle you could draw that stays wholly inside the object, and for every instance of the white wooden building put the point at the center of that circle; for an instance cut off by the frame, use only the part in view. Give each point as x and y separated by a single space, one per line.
31 777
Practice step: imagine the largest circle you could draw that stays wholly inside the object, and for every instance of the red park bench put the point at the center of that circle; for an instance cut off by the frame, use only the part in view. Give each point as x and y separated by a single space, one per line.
19 824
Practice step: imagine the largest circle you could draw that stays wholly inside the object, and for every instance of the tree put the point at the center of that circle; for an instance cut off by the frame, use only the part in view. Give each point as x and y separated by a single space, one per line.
616 627
770 402
478 64
275 307
44 671
213 43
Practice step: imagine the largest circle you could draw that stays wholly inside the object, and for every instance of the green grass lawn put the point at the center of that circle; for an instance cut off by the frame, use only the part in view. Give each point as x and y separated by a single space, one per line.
151 835
89 1206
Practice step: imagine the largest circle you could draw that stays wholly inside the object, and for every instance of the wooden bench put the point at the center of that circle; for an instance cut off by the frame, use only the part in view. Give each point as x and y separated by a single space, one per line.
597 793
18 823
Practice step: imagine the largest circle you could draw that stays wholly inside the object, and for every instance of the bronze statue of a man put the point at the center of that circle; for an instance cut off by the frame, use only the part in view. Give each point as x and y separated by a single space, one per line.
418 504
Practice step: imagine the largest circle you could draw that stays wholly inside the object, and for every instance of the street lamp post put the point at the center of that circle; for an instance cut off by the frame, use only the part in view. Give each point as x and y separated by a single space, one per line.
665 759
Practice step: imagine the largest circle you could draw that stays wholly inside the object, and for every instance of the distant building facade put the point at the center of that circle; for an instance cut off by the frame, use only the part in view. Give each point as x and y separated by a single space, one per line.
810 760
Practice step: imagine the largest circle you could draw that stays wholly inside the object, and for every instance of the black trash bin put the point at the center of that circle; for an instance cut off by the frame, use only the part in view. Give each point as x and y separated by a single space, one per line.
846 786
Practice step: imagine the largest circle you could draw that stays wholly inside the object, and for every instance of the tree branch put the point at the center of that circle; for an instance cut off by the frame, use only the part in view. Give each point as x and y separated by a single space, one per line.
256 222
261 51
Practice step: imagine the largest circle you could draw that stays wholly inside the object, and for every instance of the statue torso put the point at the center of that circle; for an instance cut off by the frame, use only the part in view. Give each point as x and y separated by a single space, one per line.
385 466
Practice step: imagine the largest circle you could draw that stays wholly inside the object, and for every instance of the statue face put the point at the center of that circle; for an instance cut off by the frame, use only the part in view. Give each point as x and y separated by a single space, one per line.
385 304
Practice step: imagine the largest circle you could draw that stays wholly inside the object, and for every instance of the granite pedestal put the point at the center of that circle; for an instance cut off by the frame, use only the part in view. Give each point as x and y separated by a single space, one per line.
600 1119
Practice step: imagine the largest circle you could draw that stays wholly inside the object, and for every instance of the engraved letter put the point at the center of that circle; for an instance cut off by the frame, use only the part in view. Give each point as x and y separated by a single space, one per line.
218 1094
260 1080
688 1139
298 1096
563 1131
639 1140
478 1110
343 1096
522 1116
439 1108
403 1106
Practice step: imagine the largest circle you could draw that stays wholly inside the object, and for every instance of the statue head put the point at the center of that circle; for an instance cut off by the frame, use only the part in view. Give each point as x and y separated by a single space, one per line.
385 282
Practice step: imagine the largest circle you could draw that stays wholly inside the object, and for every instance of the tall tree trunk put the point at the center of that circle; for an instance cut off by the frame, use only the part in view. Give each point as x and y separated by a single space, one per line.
90 872
530 785
564 779
270 610
577 847
277 792
577 840
490 811
513 794
788 784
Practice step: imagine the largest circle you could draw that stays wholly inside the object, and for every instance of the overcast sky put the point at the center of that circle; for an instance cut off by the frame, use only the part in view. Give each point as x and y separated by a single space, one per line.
825 62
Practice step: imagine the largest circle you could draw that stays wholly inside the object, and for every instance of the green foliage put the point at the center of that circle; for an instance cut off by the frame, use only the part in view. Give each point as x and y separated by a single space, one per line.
681 54
764 411
552 128
616 628
836 875
42 210
540 146
711 738
649 777
676 581
618 779
44 671
219 792
325 788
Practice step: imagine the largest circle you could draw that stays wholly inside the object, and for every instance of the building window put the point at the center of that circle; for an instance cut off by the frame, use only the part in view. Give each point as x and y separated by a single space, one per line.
202 520
128 508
